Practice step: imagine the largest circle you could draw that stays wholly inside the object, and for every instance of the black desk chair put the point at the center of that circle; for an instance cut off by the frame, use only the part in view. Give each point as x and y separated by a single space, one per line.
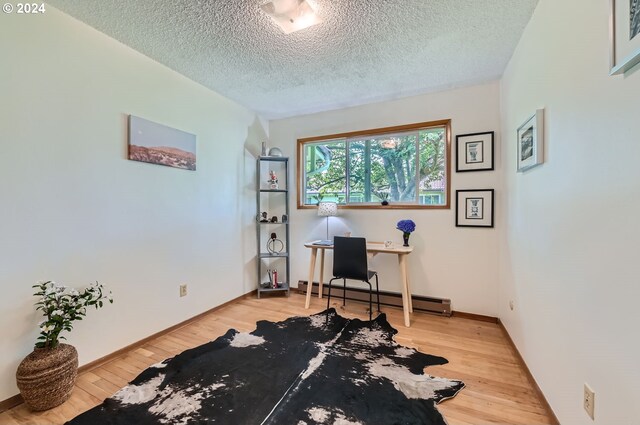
350 262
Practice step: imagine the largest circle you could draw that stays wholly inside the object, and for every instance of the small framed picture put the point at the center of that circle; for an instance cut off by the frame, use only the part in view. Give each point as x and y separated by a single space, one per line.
474 208
624 35
474 152
531 141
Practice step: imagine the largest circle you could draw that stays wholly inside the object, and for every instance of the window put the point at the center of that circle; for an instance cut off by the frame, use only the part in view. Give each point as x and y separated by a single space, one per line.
407 166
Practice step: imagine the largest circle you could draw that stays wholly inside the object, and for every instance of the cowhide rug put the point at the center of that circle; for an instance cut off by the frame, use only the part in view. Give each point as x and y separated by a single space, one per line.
322 369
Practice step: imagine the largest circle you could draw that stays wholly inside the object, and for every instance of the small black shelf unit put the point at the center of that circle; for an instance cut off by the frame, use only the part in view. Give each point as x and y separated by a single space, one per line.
274 197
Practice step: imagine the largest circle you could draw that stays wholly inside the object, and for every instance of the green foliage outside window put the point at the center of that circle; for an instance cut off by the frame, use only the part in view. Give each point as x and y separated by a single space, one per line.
402 168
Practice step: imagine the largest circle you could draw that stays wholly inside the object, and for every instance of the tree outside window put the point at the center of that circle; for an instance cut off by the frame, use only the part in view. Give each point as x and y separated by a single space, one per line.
406 166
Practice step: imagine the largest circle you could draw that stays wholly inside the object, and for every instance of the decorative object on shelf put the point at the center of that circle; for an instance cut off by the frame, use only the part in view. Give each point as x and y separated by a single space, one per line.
274 245
474 208
275 152
263 152
284 218
624 35
162 145
274 219
273 180
46 376
327 209
264 218
384 198
270 283
275 278
474 152
406 227
531 142
389 244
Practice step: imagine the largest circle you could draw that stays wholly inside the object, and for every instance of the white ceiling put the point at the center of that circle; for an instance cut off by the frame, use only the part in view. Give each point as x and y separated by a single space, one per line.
364 51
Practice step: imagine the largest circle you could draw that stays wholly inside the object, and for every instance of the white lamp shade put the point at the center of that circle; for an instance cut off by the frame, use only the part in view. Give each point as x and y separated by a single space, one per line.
327 209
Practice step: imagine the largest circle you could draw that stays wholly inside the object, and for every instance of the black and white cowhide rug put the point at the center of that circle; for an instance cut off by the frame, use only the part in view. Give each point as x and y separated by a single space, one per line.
322 369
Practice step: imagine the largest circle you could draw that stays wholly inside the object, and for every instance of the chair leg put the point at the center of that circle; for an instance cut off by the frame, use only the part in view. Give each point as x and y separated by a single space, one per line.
329 297
377 292
370 300
344 292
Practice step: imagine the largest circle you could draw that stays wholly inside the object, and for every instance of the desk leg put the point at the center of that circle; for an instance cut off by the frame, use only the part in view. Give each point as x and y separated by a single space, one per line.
409 291
312 266
320 282
402 260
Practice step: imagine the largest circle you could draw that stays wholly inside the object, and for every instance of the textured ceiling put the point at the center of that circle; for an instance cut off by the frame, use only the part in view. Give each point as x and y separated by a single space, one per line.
364 51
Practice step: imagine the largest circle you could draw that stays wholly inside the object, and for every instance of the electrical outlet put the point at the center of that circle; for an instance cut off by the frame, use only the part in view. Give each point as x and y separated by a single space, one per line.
183 290
589 400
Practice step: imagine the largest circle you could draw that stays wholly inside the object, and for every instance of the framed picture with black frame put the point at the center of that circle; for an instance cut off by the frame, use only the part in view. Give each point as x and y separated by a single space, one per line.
474 152
474 208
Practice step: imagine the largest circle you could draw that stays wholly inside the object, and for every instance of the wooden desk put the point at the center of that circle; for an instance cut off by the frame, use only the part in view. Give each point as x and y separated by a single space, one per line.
373 248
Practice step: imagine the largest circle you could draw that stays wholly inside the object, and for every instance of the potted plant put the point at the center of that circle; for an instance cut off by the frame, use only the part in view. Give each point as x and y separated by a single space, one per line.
383 196
46 376
406 226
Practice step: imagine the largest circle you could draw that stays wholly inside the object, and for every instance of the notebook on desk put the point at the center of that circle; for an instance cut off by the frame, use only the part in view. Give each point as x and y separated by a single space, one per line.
322 243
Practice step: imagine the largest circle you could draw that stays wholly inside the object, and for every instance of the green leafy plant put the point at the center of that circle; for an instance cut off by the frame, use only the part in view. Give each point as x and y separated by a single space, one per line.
61 306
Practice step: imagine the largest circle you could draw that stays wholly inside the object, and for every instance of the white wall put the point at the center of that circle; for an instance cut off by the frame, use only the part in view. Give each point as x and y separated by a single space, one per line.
448 262
75 210
569 238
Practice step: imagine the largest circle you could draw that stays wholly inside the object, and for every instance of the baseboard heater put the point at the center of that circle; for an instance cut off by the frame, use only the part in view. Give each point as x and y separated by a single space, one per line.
438 306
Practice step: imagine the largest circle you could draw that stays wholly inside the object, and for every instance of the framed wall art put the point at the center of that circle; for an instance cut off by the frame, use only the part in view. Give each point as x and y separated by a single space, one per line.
162 145
531 142
474 152
474 208
624 35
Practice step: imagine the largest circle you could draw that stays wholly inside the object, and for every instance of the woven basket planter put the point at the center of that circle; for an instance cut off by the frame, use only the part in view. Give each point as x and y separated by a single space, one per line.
46 376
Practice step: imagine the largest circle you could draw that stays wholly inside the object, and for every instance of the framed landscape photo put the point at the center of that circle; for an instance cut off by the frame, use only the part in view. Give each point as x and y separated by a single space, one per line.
624 35
474 208
531 142
474 152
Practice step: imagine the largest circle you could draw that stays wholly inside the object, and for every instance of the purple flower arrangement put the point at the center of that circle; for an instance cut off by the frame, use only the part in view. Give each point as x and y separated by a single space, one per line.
406 227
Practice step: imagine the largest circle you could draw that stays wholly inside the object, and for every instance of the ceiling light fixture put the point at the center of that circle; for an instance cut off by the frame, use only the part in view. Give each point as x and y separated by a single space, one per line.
291 15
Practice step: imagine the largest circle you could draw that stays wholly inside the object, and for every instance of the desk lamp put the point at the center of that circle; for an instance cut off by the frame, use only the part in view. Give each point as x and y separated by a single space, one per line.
327 209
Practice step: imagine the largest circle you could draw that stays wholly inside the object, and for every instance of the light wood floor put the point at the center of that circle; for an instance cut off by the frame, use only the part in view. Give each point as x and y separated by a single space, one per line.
497 388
